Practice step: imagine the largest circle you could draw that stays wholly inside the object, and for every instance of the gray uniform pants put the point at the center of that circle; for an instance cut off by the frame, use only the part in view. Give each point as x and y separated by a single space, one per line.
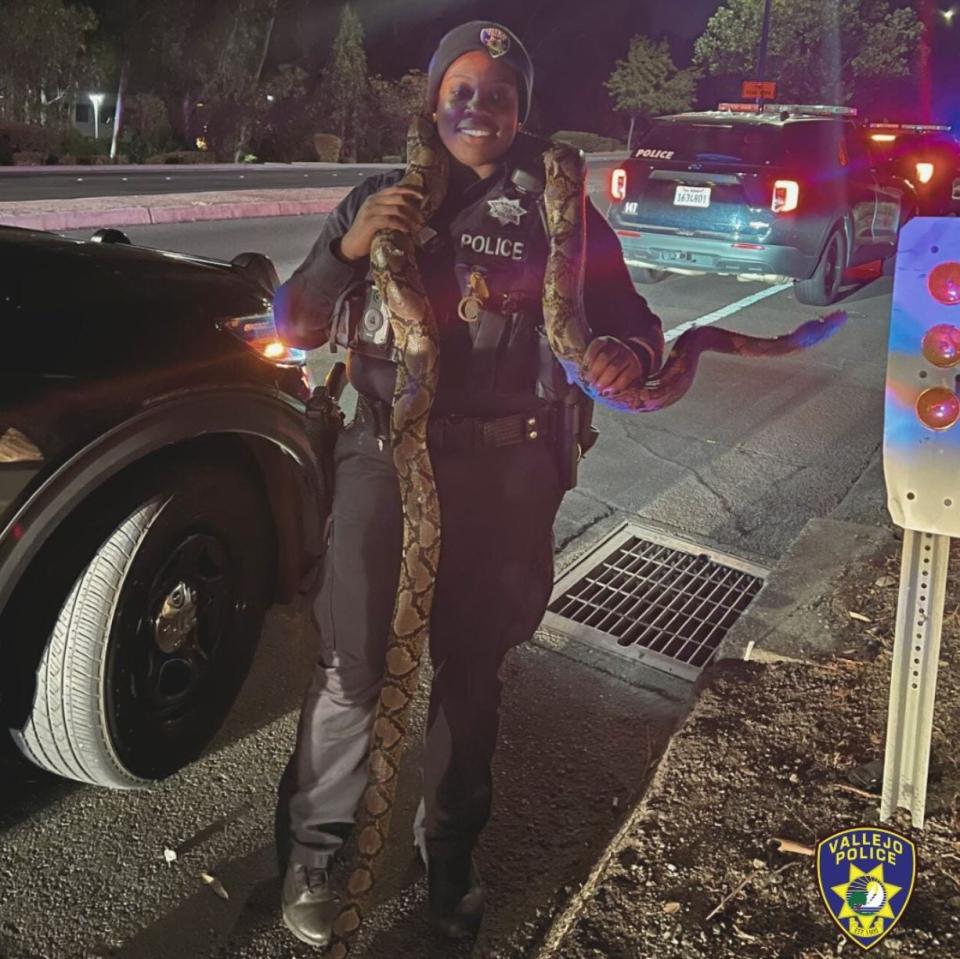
493 585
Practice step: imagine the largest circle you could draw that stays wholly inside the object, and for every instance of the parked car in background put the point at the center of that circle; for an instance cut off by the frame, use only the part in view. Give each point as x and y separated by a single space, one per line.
158 492
927 155
786 192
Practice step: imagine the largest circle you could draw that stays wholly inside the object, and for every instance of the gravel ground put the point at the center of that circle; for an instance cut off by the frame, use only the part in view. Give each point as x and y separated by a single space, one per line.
769 752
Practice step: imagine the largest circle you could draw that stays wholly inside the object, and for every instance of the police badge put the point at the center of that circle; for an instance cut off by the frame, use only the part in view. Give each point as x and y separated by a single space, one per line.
866 876
506 211
495 40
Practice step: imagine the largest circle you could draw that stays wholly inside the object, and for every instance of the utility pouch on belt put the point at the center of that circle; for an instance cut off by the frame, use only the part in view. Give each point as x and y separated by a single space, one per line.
575 430
576 434
324 422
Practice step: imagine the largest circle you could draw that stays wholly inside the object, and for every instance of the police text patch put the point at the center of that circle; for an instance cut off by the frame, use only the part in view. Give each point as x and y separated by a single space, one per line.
493 245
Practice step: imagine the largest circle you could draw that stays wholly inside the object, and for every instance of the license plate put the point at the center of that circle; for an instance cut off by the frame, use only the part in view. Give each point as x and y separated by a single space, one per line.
692 196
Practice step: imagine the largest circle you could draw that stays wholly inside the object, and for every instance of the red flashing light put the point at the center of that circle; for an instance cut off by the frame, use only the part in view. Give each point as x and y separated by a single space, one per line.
925 172
618 184
944 283
941 345
786 196
938 408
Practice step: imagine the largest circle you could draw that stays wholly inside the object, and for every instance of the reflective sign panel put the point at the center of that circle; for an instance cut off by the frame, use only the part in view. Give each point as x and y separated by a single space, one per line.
921 434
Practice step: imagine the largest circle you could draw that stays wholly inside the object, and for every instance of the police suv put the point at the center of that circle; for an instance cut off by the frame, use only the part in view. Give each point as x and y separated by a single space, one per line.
775 193
158 491
927 155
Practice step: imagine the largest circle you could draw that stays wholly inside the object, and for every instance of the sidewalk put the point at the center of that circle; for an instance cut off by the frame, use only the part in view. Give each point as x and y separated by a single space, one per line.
95 212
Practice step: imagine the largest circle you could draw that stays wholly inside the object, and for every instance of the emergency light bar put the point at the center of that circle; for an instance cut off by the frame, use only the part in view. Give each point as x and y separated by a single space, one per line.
808 109
912 127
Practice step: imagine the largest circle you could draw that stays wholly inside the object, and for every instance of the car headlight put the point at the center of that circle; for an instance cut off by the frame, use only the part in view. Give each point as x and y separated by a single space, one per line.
259 332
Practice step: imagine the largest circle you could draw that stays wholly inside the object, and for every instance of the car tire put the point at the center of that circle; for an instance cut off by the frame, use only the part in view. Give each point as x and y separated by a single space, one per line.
645 275
823 288
158 632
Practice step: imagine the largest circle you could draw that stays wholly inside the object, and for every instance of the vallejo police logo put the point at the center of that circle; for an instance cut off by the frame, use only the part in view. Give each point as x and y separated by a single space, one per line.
495 40
866 877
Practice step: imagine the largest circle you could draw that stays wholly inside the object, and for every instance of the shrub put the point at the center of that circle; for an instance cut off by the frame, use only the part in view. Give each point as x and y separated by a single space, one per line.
28 158
182 157
27 138
328 147
588 142
83 148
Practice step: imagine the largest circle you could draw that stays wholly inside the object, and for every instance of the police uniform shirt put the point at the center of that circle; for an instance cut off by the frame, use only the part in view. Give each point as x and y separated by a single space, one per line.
492 227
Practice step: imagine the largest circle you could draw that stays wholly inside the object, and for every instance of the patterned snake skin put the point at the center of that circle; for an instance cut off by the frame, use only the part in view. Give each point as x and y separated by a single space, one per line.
414 327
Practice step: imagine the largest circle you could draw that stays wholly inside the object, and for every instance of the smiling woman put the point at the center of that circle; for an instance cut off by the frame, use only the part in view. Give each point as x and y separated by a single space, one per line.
478 111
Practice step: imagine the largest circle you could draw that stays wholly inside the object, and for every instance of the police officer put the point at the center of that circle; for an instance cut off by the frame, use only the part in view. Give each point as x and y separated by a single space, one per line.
504 438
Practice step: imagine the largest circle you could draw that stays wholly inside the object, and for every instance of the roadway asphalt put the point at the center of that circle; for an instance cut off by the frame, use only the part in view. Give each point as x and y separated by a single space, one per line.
756 447
753 451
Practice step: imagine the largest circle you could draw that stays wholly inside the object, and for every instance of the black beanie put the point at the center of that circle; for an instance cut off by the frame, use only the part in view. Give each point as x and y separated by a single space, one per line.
496 40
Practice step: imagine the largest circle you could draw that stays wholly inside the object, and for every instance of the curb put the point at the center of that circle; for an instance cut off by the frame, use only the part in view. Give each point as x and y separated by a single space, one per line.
174 208
784 623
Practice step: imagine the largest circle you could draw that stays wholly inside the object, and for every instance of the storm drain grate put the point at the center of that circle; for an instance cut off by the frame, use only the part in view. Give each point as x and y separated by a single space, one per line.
651 597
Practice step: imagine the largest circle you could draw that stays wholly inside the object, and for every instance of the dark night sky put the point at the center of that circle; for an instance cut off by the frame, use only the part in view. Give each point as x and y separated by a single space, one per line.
574 44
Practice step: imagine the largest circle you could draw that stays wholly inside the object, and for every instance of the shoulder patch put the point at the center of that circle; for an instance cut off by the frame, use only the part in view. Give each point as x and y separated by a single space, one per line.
495 40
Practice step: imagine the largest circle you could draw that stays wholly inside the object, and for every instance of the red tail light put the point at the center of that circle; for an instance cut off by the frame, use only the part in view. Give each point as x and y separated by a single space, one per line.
925 172
786 196
618 184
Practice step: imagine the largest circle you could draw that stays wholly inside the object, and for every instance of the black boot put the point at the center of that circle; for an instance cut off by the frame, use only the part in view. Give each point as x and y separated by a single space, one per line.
455 894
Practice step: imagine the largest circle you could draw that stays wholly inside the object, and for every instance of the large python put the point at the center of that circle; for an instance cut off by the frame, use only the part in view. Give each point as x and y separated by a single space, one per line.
415 330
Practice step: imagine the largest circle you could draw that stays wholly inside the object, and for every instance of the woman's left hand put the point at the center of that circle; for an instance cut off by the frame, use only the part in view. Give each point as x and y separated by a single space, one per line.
610 366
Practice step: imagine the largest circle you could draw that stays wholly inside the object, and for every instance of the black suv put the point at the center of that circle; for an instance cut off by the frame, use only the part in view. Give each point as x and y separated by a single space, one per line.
925 154
158 490
786 192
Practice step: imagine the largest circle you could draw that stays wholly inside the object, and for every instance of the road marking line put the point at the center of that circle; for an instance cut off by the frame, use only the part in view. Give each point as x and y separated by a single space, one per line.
725 311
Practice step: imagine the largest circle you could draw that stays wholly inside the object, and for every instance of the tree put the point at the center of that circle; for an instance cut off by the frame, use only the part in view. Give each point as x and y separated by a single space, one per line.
345 80
390 105
647 83
42 45
206 60
813 57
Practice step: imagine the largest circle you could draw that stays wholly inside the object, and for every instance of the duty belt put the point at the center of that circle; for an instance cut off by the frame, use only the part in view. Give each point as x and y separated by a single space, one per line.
464 433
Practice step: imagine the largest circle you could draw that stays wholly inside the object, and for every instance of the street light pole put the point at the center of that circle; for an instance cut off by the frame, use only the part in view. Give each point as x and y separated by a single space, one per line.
764 39
96 99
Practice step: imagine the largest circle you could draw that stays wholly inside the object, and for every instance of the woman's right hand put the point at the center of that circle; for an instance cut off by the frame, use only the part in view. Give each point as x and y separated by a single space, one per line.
392 208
